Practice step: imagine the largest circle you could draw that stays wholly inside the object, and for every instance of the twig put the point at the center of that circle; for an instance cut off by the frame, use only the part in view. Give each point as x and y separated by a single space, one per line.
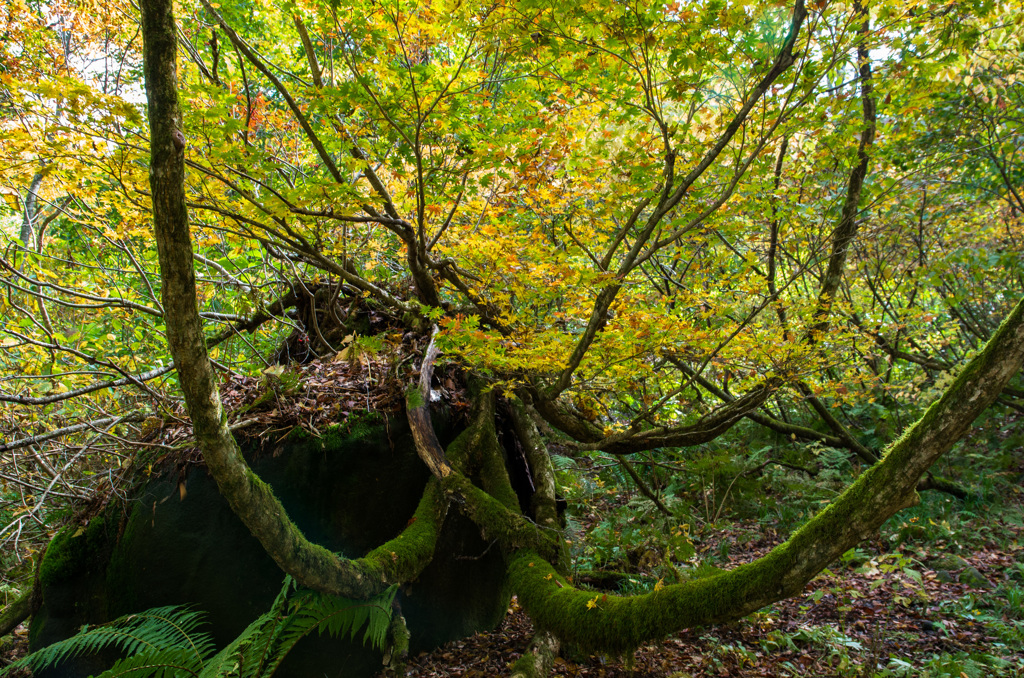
42 437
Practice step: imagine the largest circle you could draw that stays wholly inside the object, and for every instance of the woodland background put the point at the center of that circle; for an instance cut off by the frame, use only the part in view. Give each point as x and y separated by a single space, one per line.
854 241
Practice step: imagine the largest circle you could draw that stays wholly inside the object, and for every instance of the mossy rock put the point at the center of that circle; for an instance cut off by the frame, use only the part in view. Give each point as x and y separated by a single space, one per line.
178 542
948 561
973 577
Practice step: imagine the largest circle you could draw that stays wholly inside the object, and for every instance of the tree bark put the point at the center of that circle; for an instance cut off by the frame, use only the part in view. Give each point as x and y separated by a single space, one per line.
249 497
28 217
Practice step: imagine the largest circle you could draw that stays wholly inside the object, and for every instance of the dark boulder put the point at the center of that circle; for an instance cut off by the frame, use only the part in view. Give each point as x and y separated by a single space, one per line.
177 542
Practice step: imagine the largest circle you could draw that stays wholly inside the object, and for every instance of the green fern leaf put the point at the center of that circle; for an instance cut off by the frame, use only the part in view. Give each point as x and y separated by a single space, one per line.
331 614
142 635
173 663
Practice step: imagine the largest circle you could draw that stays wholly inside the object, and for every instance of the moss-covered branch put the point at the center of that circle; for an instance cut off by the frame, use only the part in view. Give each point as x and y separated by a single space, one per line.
543 503
404 557
563 416
539 657
619 624
491 503
15 613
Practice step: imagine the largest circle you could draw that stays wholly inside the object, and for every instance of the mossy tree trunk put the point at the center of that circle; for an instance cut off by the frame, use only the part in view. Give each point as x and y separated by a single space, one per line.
250 498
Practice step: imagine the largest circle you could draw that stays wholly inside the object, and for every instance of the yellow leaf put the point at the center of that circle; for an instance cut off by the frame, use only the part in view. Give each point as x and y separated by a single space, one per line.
592 603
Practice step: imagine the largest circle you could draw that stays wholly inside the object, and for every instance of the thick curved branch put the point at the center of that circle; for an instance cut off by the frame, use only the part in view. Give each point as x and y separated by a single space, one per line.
616 624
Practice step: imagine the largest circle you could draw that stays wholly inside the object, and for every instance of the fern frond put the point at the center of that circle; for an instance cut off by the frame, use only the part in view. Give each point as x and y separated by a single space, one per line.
334 615
141 634
261 648
242 656
173 663
246 654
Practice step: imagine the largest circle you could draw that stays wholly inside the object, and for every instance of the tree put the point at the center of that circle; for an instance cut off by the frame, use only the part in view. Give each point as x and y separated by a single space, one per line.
608 213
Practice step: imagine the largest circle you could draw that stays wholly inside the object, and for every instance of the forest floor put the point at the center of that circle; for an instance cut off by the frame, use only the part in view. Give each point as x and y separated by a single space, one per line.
876 615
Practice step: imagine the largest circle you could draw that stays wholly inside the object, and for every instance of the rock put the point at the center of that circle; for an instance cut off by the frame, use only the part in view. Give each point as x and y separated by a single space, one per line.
177 542
948 561
973 577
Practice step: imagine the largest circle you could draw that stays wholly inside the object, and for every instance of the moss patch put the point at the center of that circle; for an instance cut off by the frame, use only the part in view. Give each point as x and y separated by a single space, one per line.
78 549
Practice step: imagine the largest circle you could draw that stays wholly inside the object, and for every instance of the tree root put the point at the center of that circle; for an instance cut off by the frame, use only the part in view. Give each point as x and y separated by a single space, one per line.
398 644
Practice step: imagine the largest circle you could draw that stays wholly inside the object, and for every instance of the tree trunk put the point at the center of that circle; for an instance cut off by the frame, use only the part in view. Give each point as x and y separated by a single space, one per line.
28 217
249 497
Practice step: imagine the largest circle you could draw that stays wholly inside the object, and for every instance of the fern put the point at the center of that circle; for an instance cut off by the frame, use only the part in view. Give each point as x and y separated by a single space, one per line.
260 649
167 634
164 643
172 663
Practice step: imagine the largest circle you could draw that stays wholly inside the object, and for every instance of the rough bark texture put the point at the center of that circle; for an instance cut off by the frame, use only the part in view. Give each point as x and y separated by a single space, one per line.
28 217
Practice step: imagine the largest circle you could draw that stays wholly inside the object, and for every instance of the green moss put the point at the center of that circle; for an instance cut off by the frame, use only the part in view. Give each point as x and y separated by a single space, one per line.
414 397
404 557
77 549
608 623
297 434
333 437
526 666
512 530
120 569
492 472
260 400
360 426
